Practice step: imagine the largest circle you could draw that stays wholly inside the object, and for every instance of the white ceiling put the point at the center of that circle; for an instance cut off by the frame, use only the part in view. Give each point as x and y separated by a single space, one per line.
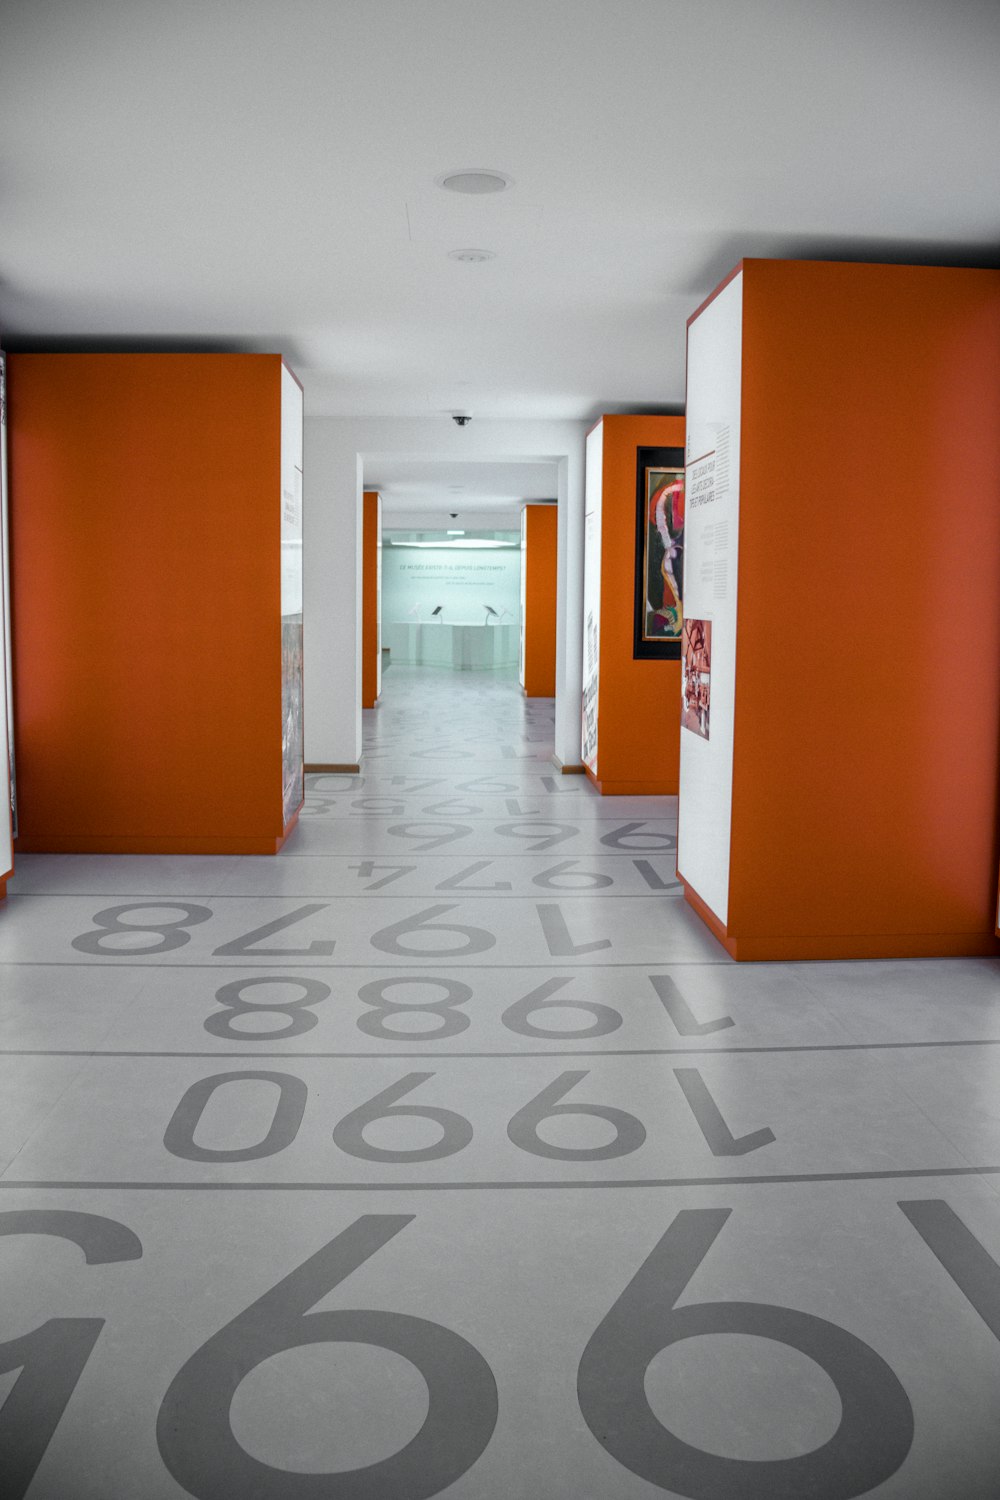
260 174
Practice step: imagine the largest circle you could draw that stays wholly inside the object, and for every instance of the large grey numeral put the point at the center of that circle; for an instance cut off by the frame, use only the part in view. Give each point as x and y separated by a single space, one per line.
288 1111
381 807
171 935
366 869
654 880
536 835
523 1128
681 1013
317 807
432 839
558 936
563 877
247 944
516 1016
551 784
317 782
297 1013
629 836
456 882
349 1133
51 1359
876 1425
451 807
450 1021
517 811
193 1428
968 1263
718 1136
475 939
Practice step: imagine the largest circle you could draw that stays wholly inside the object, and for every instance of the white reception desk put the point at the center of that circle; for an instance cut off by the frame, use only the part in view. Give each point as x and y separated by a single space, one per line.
464 648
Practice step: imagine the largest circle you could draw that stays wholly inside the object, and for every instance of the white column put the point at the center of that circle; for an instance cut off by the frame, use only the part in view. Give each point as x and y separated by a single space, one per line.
569 605
332 506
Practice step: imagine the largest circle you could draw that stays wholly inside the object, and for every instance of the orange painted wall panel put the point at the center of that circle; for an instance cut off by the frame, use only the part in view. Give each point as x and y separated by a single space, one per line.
867 733
369 601
145 541
539 562
639 705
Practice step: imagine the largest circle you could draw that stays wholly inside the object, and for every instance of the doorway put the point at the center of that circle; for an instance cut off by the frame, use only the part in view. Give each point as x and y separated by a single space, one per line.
449 580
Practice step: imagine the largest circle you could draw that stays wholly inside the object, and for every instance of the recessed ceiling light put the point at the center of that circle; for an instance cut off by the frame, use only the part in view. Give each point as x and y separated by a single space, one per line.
478 180
472 256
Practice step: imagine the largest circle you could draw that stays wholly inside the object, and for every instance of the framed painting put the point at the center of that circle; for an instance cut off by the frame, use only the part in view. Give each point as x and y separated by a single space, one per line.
659 553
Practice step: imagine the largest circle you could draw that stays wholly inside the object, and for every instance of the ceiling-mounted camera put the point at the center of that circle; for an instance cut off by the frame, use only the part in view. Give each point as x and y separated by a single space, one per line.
461 418
453 514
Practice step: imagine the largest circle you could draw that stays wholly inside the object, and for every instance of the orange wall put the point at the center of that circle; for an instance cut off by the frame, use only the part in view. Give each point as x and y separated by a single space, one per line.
638 724
539 563
867 735
369 601
145 549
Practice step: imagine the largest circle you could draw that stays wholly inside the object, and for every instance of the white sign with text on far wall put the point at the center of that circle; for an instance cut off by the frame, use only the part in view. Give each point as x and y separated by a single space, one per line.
418 580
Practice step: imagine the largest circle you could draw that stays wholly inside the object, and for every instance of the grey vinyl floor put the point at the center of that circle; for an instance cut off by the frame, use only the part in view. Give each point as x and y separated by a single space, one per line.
446 1153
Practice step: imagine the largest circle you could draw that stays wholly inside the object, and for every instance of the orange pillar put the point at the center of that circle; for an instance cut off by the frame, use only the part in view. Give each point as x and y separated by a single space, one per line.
538 600
155 536
635 712
371 601
847 534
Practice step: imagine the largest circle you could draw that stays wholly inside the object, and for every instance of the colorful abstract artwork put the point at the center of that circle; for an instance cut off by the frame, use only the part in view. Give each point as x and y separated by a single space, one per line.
659 582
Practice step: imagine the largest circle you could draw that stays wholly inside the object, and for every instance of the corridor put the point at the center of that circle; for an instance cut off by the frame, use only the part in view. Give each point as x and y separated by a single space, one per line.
447 1153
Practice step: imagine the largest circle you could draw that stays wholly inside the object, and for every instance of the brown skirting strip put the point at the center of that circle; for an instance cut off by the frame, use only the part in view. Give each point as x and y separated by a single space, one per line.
344 770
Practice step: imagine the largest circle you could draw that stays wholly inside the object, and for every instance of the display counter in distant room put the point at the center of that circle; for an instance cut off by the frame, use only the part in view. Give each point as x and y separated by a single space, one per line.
464 647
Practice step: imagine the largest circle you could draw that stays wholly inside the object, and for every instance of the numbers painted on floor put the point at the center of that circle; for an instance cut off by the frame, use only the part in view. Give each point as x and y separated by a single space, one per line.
289 1095
420 934
143 929
655 1311
545 1012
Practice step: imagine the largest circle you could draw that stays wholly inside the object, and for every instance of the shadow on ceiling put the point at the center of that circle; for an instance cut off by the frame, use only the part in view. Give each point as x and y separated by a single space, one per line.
732 248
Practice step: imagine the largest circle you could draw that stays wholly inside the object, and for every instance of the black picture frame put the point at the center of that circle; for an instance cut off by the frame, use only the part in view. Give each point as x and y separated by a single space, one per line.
647 647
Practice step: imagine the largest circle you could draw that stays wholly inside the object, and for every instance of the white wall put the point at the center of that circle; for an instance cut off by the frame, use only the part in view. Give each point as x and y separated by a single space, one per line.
335 452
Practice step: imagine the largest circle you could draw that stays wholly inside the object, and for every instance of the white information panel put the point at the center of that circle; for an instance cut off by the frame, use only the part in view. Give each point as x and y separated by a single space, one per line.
711 538
292 743
524 594
593 492
378 597
6 704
